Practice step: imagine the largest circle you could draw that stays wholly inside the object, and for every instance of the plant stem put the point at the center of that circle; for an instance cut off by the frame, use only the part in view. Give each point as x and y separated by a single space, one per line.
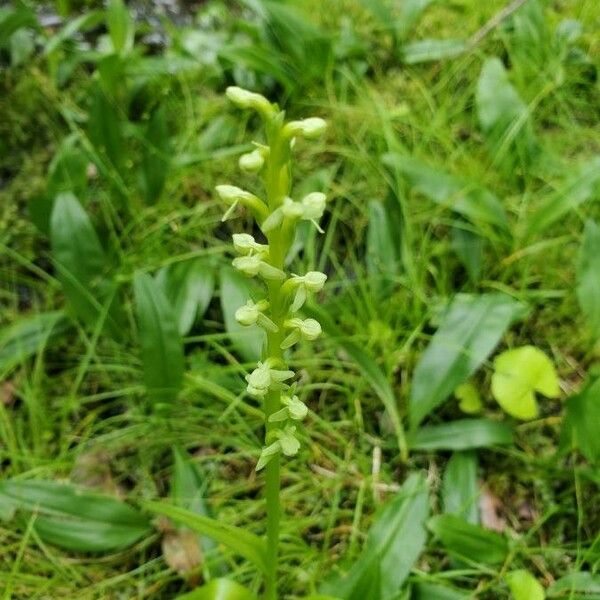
276 189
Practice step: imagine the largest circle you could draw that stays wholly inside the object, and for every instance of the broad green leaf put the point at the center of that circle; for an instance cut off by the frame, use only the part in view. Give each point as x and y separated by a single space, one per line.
241 541
235 292
156 156
220 589
462 434
431 50
581 426
469 248
460 492
161 345
469 541
430 591
524 586
80 261
572 585
584 185
367 366
393 545
588 277
471 328
120 25
518 374
476 203
469 398
76 519
25 337
189 287
504 117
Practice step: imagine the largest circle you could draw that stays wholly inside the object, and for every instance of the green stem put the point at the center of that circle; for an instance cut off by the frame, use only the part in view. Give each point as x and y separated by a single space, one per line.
276 189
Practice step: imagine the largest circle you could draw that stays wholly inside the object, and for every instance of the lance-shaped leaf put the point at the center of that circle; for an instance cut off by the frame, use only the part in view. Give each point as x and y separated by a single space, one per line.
518 374
160 342
243 542
393 545
470 330
588 277
72 518
431 591
156 156
460 492
469 541
220 589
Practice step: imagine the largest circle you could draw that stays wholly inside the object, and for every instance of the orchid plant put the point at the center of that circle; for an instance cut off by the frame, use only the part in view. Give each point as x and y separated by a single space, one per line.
277 214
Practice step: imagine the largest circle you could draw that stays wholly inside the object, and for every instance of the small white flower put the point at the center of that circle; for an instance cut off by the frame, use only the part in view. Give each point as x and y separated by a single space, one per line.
313 206
291 209
297 410
259 380
287 438
311 128
245 244
314 281
252 162
267 453
248 265
308 329
231 193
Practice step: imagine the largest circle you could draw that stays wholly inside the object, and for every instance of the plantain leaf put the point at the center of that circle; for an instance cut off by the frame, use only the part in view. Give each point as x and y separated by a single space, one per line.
518 374
160 343
461 434
471 328
74 519
582 422
156 156
524 586
460 492
241 541
235 292
81 262
220 589
588 277
393 545
189 287
469 541
27 336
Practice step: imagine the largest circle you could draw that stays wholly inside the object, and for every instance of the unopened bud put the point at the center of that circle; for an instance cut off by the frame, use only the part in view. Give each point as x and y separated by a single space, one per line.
313 206
310 128
251 162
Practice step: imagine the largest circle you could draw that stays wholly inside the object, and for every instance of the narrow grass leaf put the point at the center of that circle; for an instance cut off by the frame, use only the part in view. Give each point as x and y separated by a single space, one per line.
462 434
524 586
189 286
466 198
161 345
75 519
383 259
241 541
27 336
581 187
369 369
120 25
460 492
472 327
220 589
576 586
469 541
235 291
393 545
588 277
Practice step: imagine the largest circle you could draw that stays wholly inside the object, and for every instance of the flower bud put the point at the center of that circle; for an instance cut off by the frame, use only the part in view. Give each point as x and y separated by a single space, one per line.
314 281
245 99
313 206
291 209
259 380
311 128
248 314
251 162
310 329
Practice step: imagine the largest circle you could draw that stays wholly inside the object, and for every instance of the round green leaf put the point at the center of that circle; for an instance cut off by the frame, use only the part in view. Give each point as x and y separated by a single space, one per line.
524 586
518 374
